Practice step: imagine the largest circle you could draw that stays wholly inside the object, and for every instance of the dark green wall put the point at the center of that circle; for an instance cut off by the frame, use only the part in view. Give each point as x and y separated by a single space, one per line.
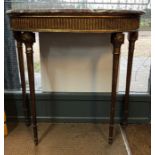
79 107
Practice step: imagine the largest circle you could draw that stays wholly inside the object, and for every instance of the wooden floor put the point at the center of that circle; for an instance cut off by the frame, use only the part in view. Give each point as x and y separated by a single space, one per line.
139 139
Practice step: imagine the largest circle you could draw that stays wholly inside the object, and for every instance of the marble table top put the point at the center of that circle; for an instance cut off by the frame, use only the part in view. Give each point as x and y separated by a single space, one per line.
74 12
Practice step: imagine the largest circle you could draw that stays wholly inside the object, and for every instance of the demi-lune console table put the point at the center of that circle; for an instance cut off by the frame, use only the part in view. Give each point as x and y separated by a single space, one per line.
25 22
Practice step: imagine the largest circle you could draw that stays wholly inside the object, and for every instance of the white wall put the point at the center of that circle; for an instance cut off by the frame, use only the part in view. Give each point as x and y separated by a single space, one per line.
73 62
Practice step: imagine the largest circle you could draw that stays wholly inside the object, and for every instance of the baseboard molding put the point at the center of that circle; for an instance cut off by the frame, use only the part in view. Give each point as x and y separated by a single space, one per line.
78 107
79 119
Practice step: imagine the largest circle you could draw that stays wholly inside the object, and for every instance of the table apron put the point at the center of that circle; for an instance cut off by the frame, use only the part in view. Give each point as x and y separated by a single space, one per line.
75 24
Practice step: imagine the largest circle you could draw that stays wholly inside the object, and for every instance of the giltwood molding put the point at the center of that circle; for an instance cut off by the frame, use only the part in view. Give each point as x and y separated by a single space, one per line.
75 23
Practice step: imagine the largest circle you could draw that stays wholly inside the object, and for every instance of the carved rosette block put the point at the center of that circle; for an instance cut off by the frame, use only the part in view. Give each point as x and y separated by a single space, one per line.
117 39
28 38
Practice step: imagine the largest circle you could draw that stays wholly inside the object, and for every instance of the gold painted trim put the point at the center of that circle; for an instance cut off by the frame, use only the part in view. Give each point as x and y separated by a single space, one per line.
73 31
74 23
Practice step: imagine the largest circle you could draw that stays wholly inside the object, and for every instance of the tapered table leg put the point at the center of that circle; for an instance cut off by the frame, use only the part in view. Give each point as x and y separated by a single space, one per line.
18 37
117 39
29 38
132 37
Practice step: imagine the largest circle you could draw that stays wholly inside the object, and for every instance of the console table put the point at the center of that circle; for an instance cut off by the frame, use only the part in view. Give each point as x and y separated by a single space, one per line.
25 22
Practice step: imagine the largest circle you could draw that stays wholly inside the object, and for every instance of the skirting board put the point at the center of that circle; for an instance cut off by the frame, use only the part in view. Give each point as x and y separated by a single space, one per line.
78 107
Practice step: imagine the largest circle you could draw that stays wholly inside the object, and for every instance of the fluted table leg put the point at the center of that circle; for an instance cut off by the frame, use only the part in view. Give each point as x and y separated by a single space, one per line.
117 39
18 38
133 36
29 38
